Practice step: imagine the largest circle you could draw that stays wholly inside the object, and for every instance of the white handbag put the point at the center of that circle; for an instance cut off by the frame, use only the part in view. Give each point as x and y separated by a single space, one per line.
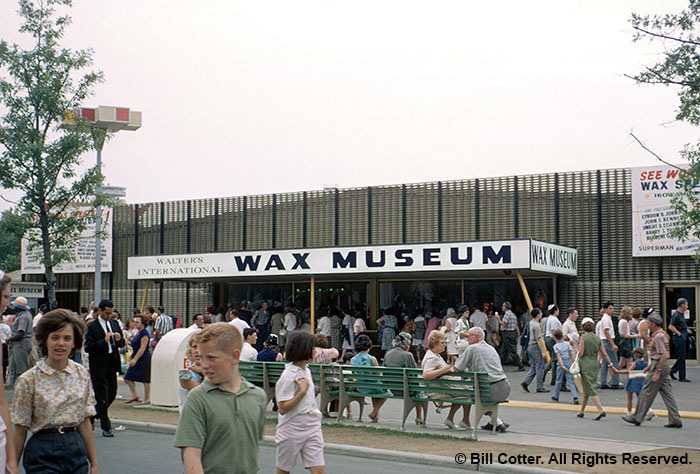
575 369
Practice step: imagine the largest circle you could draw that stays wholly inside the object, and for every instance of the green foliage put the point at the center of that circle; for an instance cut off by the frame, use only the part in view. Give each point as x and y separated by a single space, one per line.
11 230
37 86
680 68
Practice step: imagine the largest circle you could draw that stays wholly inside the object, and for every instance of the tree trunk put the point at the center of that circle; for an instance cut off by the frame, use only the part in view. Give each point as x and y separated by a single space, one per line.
48 266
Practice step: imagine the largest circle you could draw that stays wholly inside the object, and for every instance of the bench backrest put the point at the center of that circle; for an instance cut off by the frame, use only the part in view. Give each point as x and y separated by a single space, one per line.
406 383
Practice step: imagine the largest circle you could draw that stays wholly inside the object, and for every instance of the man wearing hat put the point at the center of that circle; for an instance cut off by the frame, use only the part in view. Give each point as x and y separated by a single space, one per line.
400 356
20 341
658 378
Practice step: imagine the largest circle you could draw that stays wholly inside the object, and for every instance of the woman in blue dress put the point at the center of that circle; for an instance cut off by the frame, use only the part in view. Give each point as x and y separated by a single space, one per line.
363 359
140 364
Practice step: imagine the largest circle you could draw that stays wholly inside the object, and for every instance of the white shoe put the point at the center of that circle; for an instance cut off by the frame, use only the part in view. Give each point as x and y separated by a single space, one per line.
650 415
463 425
450 425
119 428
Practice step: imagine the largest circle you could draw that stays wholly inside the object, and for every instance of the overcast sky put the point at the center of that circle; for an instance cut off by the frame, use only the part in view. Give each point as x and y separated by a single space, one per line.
257 97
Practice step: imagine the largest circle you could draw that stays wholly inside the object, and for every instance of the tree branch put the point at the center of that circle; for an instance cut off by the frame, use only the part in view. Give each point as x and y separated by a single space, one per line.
657 156
659 35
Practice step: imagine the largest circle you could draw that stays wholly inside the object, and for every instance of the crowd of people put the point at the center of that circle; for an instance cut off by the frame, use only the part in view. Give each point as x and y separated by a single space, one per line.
64 367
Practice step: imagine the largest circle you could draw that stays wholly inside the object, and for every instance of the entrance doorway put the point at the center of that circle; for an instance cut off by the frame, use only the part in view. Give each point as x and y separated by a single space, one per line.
671 295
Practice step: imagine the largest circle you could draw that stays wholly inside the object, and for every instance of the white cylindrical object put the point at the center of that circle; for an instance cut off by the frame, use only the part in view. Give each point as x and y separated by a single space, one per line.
168 358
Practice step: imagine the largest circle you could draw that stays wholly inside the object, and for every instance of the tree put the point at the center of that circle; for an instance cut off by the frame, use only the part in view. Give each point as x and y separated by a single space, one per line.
11 230
38 158
679 68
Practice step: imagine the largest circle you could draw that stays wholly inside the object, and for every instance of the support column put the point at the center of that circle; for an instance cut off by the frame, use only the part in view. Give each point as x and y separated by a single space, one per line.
312 286
523 288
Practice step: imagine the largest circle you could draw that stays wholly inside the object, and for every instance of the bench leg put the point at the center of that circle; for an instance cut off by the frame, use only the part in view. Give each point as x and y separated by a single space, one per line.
361 402
494 418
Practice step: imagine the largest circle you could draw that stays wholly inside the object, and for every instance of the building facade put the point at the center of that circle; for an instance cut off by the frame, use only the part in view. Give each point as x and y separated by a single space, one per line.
589 211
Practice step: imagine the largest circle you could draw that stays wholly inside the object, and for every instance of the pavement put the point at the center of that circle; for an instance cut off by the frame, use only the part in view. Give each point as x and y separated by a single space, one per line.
127 454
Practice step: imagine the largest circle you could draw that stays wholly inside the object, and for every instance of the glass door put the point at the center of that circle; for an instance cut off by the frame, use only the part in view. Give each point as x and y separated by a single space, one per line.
671 295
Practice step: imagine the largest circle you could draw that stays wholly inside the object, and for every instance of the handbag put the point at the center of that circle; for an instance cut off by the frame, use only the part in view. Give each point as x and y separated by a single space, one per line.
575 369
578 382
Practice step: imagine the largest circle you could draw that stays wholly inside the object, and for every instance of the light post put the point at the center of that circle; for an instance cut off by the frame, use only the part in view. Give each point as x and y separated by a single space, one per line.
102 119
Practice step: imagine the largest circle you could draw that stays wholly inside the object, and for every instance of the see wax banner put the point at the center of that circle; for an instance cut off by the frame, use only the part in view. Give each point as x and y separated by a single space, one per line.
653 218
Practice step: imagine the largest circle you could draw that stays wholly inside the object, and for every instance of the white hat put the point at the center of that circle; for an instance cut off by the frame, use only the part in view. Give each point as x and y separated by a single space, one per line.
21 303
586 320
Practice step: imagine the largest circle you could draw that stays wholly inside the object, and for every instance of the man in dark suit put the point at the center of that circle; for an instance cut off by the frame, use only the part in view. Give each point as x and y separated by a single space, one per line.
102 342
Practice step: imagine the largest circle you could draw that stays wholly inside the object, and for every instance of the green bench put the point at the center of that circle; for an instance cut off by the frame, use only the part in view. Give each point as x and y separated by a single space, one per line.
266 374
345 383
409 386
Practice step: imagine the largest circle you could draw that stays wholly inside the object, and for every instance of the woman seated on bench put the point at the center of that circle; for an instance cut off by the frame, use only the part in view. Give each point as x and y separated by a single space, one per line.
434 366
363 359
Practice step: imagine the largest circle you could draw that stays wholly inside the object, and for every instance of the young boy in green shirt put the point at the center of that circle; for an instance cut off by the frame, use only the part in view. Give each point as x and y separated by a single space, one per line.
222 420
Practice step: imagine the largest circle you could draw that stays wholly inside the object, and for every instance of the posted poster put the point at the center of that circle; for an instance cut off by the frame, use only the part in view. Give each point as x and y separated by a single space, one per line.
82 250
652 215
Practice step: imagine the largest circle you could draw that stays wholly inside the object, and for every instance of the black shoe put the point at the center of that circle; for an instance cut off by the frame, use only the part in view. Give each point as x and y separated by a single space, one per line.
673 376
617 387
107 433
629 419
564 389
524 386
520 369
673 426
684 380
503 427
542 390
579 414
555 399
604 386
600 415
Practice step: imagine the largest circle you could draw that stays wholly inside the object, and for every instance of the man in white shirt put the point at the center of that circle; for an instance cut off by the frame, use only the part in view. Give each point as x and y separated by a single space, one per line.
568 329
238 323
324 326
250 337
552 324
606 332
42 309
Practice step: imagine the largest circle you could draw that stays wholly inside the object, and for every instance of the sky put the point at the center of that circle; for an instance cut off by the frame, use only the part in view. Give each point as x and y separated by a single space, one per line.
262 96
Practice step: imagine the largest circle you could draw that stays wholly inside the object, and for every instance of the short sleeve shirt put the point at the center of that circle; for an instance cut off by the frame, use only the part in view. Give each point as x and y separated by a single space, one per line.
659 345
535 331
286 388
563 348
511 321
569 329
23 322
226 426
49 398
678 321
605 323
481 357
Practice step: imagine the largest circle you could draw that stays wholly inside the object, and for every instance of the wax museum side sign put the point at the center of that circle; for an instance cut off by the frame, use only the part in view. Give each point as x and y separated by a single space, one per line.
653 218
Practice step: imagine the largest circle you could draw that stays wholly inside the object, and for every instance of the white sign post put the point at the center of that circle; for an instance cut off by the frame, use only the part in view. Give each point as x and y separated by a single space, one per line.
653 218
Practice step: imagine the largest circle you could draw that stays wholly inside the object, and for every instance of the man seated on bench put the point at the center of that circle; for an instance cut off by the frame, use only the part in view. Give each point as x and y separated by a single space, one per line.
481 357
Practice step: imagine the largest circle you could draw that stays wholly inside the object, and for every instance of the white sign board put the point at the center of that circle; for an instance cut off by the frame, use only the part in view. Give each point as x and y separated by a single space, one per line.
27 289
484 255
82 251
652 215
553 258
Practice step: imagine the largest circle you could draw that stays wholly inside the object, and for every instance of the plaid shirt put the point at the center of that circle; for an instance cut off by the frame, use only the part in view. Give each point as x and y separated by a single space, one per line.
511 321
